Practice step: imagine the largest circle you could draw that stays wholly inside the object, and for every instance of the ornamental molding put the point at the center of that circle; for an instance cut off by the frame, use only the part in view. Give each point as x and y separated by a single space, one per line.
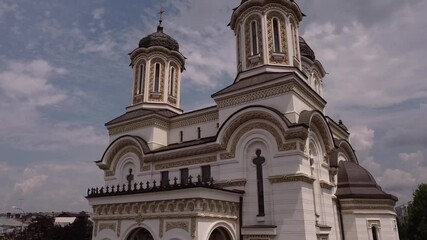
175 208
248 45
299 177
326 185
270 91
258 237
110 226
184 225
195 119
119 150
147 53
249 7
128 126
283 37
231 183
367 202
249 127
191 152
187 162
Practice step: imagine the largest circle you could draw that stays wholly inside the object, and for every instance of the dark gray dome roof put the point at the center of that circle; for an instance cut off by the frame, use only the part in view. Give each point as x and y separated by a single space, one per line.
354 181
306 50
160 39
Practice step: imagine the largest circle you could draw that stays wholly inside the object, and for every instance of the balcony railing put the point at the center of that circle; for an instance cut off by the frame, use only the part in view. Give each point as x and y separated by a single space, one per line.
147 187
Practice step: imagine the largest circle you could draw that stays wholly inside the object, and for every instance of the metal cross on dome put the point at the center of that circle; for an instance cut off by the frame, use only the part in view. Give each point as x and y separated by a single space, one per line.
162 11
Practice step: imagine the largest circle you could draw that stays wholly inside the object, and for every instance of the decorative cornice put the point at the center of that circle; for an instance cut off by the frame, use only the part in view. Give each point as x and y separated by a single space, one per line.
326 185
128 126
299 177
177 224
367 204
187 162
174 208
231 183
198 150
195 119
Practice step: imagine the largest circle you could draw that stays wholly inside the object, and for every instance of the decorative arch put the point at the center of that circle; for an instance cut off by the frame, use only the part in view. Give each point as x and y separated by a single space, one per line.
316 118
224 229
136 228
282 28
140 72
257 18
157 61
118 148
247 119
345 147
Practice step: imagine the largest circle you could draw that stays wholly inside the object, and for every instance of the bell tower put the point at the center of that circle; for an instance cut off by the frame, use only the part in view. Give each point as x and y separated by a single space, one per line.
267 36
157 65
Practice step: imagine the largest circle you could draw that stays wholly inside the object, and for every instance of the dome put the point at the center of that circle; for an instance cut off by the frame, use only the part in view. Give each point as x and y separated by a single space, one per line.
306 50
159 39
354 181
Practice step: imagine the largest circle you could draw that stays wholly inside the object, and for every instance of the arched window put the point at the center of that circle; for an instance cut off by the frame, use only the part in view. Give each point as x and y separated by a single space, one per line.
172 82
276 35
254 38
157 78
374 233
141 78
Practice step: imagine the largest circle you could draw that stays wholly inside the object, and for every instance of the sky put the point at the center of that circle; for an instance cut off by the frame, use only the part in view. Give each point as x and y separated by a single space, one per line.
64 72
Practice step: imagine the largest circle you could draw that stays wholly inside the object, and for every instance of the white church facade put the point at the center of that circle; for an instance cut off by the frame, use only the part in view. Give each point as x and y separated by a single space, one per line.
264 163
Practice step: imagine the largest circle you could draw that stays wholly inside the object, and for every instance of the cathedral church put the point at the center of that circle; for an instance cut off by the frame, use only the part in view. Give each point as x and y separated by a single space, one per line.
264 163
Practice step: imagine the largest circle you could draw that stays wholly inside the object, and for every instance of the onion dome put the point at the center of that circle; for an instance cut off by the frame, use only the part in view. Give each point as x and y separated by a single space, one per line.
354 181
306 50
159 39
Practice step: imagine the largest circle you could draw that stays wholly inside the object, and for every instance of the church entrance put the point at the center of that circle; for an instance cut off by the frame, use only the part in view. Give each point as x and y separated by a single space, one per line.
220 233
140 234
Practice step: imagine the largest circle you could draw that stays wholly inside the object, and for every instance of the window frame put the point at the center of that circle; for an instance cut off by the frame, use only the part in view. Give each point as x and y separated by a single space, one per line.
157 77
172 82
276 35
254 37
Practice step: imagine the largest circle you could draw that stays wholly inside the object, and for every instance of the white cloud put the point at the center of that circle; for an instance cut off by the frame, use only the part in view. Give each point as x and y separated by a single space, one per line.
26 88
98 13
371 165
398 182
105 46
362 138
31 181
413 157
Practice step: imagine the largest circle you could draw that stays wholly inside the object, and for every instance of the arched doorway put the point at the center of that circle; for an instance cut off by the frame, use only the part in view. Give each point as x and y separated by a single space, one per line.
140 234
220 233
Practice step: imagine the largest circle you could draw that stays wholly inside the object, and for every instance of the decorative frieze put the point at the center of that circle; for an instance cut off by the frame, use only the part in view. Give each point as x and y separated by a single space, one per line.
326 185
187 162
299 177
231 183
177 224
111 226
136 124
195 119
155 209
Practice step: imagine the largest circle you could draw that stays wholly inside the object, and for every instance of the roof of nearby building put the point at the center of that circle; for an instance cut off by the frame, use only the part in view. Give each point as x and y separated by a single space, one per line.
252 81
140 113
354 181
159 39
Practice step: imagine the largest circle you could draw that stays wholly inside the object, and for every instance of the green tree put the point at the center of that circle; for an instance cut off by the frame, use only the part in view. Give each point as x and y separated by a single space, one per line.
416 226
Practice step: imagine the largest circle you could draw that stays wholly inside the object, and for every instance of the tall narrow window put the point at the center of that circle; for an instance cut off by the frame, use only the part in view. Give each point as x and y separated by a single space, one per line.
254 38
157 78
165 179
199 133
184 176
172 82
206 173
276 35
374 233
181 136
141 79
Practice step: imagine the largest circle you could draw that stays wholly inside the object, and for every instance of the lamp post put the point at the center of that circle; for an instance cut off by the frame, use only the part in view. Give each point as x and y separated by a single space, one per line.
22 222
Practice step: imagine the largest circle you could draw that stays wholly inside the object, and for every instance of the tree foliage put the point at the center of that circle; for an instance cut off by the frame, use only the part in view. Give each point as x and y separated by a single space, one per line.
43 228
416 224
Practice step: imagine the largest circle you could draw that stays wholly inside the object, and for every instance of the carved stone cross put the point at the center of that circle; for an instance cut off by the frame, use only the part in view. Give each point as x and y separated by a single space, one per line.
258 161
129 177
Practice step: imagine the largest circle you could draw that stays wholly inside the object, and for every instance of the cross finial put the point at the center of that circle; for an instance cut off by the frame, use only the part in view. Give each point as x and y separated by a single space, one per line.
162 11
